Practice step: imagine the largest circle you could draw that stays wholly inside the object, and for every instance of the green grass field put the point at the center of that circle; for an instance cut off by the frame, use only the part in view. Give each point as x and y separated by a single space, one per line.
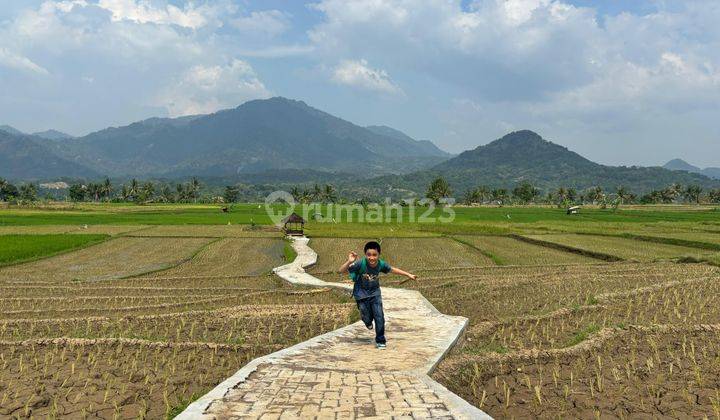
20 248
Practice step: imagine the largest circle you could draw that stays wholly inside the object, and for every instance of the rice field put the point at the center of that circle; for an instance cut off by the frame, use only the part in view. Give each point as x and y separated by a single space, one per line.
92 334
617 339
705 237
231 257
628 249
20 248
210 231
116 258
139 325
509 251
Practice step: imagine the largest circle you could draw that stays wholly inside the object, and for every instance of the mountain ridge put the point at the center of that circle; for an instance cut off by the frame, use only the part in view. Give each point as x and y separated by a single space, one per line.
681 165
525 156
259 135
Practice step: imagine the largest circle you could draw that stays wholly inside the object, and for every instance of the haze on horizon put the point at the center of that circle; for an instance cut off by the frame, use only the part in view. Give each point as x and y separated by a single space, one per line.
619 82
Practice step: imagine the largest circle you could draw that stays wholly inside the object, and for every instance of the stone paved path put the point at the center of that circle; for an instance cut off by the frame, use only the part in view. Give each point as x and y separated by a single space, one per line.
341 374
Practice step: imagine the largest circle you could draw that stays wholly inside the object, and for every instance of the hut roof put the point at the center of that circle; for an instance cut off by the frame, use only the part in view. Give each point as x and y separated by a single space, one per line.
293 218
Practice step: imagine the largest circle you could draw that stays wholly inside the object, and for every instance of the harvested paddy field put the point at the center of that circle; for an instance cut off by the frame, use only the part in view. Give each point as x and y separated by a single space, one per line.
510 251
628 249
418 255
143 347
120 257
332 252
658 372
211 231
704 237
75 229
583 340
231 257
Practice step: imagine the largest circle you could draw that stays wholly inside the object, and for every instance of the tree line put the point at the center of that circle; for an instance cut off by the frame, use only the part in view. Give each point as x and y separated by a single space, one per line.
526 193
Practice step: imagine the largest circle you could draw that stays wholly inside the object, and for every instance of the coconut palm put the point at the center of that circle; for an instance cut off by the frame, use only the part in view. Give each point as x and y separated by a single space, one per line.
194 189
438 189
107 188
328 194
692 193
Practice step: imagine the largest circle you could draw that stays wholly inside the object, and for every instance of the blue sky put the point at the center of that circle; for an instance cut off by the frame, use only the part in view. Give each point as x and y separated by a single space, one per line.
620 82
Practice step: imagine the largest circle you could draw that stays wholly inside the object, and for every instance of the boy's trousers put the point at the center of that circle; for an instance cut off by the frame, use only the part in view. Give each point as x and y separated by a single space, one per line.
371 309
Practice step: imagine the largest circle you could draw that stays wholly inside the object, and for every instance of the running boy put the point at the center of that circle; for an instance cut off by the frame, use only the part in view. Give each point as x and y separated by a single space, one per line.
366 289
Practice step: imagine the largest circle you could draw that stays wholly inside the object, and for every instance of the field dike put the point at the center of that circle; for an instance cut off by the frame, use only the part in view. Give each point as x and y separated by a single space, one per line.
341 372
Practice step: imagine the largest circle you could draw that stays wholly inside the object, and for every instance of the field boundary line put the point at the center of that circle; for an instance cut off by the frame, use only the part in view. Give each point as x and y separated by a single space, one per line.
497 260
170 265
567 248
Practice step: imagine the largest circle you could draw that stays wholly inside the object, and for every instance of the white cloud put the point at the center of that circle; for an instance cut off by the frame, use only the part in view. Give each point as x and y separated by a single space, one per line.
267 22
19 62
358 74
539 63
206 89
142 11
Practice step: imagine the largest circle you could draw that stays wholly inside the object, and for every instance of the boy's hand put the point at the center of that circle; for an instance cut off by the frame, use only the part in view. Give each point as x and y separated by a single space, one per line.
412 276
352 256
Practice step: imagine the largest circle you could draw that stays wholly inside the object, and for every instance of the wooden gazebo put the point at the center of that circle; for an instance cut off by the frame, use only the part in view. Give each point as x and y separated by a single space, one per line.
293 224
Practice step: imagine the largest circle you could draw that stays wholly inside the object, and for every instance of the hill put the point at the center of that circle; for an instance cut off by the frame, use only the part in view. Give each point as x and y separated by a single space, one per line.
257 136
23 158
681 165
525 156
11 130
53 135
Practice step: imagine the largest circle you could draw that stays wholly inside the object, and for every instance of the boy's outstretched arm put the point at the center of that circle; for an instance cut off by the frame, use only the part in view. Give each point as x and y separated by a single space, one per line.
395 270
352 256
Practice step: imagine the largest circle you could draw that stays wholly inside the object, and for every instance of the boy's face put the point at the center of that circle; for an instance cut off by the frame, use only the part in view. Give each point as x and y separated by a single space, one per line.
372 256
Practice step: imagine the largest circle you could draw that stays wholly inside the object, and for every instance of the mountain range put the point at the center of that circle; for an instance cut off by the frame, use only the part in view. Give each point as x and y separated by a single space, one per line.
681 165
525 156
284 141
47 134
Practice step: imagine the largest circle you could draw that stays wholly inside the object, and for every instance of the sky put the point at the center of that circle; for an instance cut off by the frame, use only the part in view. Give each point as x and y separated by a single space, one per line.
620 82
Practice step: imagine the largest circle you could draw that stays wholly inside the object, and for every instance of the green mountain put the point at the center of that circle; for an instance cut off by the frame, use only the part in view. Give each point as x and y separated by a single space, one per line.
22 157
53 135
10 129
681 165
255 137
423 146
525 156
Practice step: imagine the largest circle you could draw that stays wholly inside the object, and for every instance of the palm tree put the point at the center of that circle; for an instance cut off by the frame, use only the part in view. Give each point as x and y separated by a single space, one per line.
180 189
28 193
714 196
623 194
499 195
134 189
316 193
329 194
124 193
194 189
295 192
438 189
166 194
94 190
692 193
107 188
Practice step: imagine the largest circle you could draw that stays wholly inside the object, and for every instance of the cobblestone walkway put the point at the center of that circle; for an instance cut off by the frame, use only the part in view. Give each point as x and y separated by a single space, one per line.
341 374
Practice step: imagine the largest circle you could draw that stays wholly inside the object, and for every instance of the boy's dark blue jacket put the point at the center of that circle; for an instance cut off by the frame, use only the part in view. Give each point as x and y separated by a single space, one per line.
367 281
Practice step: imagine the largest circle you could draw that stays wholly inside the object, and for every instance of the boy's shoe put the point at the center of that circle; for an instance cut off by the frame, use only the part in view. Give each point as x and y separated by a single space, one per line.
381 346
369 326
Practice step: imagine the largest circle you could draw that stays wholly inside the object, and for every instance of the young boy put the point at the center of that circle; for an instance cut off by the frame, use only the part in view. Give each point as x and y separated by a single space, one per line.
366 287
